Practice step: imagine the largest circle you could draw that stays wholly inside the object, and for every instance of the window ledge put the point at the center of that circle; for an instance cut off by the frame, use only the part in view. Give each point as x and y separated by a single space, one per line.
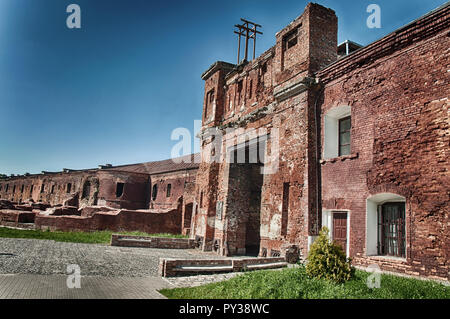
340 158
388 258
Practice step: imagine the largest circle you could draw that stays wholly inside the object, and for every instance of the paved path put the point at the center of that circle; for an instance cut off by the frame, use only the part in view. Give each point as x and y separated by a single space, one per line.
31 268
47 257
55 287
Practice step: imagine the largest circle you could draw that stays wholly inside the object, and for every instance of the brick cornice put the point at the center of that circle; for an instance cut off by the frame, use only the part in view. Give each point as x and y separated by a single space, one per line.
425 27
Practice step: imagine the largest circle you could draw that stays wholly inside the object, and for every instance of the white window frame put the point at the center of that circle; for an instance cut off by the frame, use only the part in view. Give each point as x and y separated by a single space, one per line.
372 204
331 130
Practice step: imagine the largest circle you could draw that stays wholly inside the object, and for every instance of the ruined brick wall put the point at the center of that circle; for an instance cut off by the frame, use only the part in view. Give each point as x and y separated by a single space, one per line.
398 90
50 188
124 220
13 218
82 188
123 189
170 187
269 92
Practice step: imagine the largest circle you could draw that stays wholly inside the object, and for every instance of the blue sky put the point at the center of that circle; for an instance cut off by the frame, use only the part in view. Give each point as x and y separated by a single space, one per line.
113 91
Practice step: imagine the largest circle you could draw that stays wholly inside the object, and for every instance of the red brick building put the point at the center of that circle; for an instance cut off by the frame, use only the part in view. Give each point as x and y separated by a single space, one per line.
360 144
309 134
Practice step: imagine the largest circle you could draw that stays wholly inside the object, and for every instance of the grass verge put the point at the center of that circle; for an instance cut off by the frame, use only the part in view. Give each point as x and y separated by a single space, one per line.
294 283
97 237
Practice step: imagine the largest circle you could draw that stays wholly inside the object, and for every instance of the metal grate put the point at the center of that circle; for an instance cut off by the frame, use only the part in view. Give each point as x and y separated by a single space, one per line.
264 252
391 230
274 253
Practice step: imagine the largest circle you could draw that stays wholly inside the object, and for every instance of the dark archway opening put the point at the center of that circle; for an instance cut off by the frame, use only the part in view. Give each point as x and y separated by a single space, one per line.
244 199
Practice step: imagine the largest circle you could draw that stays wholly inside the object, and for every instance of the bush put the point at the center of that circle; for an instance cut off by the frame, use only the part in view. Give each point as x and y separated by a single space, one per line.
327 260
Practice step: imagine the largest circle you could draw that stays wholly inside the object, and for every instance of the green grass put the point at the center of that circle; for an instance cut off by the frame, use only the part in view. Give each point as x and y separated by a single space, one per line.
97 237
294 283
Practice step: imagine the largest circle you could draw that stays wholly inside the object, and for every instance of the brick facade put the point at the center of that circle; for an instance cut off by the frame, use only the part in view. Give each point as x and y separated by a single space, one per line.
287 106
395 91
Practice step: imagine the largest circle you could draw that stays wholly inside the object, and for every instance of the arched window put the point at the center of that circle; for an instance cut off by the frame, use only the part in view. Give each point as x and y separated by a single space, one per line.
154 191
86 190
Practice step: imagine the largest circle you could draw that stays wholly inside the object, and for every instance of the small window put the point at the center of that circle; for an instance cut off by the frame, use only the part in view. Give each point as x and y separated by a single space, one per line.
14 189
69 188
345 126
209 102
154 191
42 188
53 189
1 186
22 188
290 39
239 92
169 190
391 229
6 188
262 72
211 97
250 93
119 189
86 190
201 199
264 69
285 209
31 189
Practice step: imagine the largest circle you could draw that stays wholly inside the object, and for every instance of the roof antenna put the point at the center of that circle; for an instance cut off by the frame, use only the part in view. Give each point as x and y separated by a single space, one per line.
248 30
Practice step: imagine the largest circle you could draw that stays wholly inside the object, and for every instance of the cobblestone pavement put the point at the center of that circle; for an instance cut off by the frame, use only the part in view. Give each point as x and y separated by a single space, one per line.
47 257
31 268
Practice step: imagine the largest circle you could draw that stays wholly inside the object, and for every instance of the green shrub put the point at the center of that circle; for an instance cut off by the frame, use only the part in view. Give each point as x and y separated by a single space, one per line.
327 260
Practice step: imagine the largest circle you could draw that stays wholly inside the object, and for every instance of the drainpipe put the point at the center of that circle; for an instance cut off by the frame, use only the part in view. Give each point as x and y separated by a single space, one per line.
318 167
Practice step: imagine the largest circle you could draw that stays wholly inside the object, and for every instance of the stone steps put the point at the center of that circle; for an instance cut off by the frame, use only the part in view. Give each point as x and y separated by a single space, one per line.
267 266
152 242
175 267
205 269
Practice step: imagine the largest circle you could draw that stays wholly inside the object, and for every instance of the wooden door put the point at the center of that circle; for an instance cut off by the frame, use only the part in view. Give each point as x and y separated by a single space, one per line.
340 230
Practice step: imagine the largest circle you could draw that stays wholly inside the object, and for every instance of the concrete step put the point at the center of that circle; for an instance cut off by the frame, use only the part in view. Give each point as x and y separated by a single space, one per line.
131 240
205 269
227 268
267 266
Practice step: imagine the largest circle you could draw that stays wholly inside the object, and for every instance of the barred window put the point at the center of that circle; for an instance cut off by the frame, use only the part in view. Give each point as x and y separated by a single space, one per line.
391 230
